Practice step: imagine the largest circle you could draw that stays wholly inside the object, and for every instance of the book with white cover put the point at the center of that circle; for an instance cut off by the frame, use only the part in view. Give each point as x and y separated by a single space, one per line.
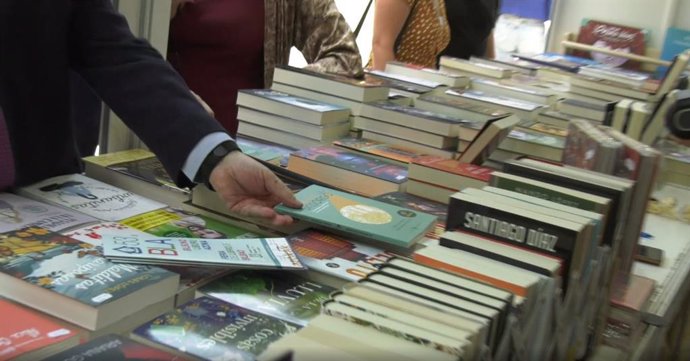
89 196
259 253
19 212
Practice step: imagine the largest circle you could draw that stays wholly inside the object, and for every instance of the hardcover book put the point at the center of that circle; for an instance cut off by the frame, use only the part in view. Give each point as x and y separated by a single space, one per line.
114 348
211 329
359 216
71 280
19 212
349 170
335 255
175 222
89 196
272 253
600 34
307 110
29 335
285 296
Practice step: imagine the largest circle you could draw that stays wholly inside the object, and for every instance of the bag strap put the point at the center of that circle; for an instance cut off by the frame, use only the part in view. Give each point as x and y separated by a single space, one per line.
398 39
361 20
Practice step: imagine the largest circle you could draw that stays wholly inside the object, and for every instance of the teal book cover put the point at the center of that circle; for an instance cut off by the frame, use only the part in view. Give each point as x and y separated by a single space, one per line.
71 268
282 295
675 42
375 220
211 329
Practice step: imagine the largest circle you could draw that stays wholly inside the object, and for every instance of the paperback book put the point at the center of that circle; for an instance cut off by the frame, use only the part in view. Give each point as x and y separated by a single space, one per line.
307 110
386 151
259 253
211 329
70 279
29 335
114 348
19 212
337 256
282 295
89 196
360 216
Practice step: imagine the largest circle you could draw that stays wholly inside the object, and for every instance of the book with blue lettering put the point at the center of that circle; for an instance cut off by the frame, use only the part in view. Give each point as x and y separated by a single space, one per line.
359 216
257 253
211 329
71 280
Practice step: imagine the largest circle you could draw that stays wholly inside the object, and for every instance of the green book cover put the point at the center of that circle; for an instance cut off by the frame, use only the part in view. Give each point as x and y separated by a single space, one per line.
360 216
282 295
210 329
173 222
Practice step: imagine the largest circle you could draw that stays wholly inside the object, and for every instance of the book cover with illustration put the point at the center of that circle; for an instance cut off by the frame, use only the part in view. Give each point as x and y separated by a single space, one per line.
25 333
19 212
174 222
600 34
211 329
272 253
411 201
263 150
304 103
69 268
114 348
285 296
91 197
337 256
355 162
371 147
361 216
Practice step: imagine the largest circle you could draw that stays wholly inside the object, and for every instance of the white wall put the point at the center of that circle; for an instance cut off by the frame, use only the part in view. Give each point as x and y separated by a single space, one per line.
655 15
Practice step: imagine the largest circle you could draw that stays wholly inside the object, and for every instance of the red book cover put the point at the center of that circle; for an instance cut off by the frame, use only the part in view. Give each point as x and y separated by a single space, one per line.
455 167
23 330
610 36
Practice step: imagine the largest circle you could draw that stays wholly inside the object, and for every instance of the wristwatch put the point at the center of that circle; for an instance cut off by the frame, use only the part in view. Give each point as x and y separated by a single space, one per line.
212 159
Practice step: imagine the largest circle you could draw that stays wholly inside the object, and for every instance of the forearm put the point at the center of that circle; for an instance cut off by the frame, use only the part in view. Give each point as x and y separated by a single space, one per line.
381 54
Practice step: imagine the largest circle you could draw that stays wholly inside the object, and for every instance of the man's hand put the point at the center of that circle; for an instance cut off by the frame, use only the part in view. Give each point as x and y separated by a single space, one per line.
250 189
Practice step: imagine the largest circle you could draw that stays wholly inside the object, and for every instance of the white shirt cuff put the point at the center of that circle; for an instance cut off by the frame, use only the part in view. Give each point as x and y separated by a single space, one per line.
201 150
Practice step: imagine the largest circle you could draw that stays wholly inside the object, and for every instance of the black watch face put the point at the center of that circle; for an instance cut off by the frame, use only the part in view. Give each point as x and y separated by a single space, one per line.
220 151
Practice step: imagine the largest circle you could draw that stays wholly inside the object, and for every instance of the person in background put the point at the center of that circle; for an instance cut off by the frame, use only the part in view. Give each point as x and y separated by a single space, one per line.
220 46
42 41
410 31
471 28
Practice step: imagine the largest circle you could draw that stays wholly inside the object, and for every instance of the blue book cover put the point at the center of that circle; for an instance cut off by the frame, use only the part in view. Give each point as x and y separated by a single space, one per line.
211 329
676 41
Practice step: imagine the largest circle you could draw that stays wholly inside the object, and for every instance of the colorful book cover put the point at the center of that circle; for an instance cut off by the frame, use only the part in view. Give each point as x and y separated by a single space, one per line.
453 166
304 103
549 129
538 138
285 296
23 331
361 216
93 234
91 197
458 102
372 147
336 255
114 348
358 163
19 212
149 170
494 99
238 252
411 201
71 268
173 222
626 39
211 329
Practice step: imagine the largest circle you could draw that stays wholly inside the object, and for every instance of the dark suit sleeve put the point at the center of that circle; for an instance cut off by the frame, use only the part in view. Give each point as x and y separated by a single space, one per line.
137 83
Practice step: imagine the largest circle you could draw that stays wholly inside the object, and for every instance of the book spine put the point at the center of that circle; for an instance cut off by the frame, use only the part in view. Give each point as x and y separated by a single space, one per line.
511 228
495 256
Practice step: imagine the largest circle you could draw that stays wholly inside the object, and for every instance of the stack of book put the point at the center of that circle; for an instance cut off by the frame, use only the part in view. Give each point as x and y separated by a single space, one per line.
405 311
411 127
341 90
474 68
437 178
524 109
349 170
390 152
290 120
428 74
